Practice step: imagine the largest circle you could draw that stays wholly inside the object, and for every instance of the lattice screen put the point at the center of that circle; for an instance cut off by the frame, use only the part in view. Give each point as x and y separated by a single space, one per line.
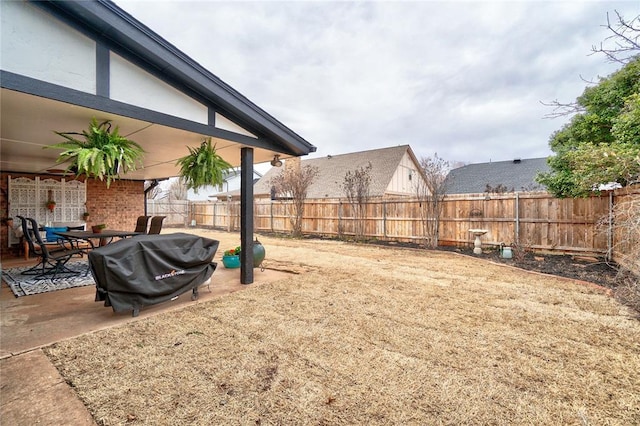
27 197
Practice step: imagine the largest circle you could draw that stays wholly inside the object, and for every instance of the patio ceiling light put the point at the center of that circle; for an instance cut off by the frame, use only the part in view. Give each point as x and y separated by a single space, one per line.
276 162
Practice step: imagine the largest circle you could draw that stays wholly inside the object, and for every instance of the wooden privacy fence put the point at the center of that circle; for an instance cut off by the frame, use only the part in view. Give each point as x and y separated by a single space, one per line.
535 220
177 212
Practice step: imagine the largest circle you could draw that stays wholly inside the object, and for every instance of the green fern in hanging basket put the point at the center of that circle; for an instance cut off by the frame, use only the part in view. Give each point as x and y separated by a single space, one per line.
103 154
203 166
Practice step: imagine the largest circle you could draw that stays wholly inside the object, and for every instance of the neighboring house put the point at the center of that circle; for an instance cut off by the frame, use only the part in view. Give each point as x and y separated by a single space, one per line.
394 173
231 185
499 176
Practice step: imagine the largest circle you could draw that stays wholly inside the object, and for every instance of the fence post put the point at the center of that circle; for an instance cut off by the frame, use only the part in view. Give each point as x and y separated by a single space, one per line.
340 218
517 218
384 218
271 214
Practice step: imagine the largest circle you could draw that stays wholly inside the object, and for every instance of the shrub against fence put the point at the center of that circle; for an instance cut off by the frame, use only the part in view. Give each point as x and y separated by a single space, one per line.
625 241
535 220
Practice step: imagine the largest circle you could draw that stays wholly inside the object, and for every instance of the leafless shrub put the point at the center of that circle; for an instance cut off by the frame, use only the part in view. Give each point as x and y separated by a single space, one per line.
521 250
356 188
431 192
628 290
624 224
177 190
292 184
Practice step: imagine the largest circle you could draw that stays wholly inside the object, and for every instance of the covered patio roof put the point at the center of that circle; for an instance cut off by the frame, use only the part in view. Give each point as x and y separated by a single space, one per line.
33 108
64 63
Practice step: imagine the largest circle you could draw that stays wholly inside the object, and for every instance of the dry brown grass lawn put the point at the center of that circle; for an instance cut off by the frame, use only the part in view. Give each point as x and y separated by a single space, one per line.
370 335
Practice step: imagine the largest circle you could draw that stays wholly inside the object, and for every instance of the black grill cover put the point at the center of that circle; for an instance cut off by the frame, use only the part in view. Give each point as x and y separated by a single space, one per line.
149 269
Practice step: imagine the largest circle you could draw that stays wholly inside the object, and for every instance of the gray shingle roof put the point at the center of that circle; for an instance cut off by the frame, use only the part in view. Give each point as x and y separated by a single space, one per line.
332 169
514 175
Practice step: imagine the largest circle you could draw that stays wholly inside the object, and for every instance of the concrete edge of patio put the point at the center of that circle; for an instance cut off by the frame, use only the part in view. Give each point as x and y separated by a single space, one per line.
34 392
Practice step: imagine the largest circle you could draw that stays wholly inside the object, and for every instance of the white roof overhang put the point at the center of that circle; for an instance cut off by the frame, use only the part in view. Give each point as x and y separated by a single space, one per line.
31 109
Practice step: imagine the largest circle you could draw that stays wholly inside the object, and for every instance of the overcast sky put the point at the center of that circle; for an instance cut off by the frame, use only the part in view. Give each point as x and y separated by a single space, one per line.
463 79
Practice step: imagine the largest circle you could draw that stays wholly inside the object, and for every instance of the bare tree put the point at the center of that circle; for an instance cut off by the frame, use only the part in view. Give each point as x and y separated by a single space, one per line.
561 109
430 193
173 201
292 184
356 186
177 190
625 36
155 193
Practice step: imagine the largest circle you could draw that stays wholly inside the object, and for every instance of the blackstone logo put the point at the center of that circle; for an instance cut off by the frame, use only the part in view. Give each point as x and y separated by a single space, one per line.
170 274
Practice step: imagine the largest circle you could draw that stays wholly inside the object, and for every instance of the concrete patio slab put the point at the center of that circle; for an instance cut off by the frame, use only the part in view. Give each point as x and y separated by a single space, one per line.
32 391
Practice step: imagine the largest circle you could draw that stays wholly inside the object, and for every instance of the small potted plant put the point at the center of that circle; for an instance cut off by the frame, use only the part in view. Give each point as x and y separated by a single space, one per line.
96 229
231 258
85 216
50 204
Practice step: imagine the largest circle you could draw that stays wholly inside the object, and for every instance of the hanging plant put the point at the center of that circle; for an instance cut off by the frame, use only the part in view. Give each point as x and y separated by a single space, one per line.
203 166
103 154
50 204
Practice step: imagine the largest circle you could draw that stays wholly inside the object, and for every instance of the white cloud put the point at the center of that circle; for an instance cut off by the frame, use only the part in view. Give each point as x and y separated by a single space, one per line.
464 79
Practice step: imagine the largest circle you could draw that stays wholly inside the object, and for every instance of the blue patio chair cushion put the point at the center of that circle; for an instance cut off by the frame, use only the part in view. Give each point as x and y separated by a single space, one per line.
51 236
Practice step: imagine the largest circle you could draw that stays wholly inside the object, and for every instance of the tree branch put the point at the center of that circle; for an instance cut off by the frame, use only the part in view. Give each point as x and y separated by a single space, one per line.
626 35
561 109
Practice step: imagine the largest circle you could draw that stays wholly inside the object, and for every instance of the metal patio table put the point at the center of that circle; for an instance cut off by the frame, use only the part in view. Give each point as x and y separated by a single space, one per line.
90 236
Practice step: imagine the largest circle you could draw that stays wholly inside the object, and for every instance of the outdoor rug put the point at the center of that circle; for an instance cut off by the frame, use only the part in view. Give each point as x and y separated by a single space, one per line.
27 285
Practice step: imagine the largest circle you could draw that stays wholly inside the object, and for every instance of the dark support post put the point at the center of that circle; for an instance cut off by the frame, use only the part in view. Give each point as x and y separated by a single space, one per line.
153 184
246 215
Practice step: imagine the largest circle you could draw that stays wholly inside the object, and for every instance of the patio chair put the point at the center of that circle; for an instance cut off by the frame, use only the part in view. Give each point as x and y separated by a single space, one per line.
82 246
156 225
53 257
29 239
141 224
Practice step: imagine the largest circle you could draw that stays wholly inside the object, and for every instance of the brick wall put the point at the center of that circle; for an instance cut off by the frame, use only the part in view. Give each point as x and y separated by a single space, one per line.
118 206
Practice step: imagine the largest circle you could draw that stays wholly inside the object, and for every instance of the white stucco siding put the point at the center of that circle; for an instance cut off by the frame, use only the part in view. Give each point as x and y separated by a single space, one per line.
37 45
134 86
224 123
405 177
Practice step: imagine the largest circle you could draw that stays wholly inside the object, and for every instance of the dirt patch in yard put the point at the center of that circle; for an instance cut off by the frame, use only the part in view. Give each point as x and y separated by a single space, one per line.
364 334
582 268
